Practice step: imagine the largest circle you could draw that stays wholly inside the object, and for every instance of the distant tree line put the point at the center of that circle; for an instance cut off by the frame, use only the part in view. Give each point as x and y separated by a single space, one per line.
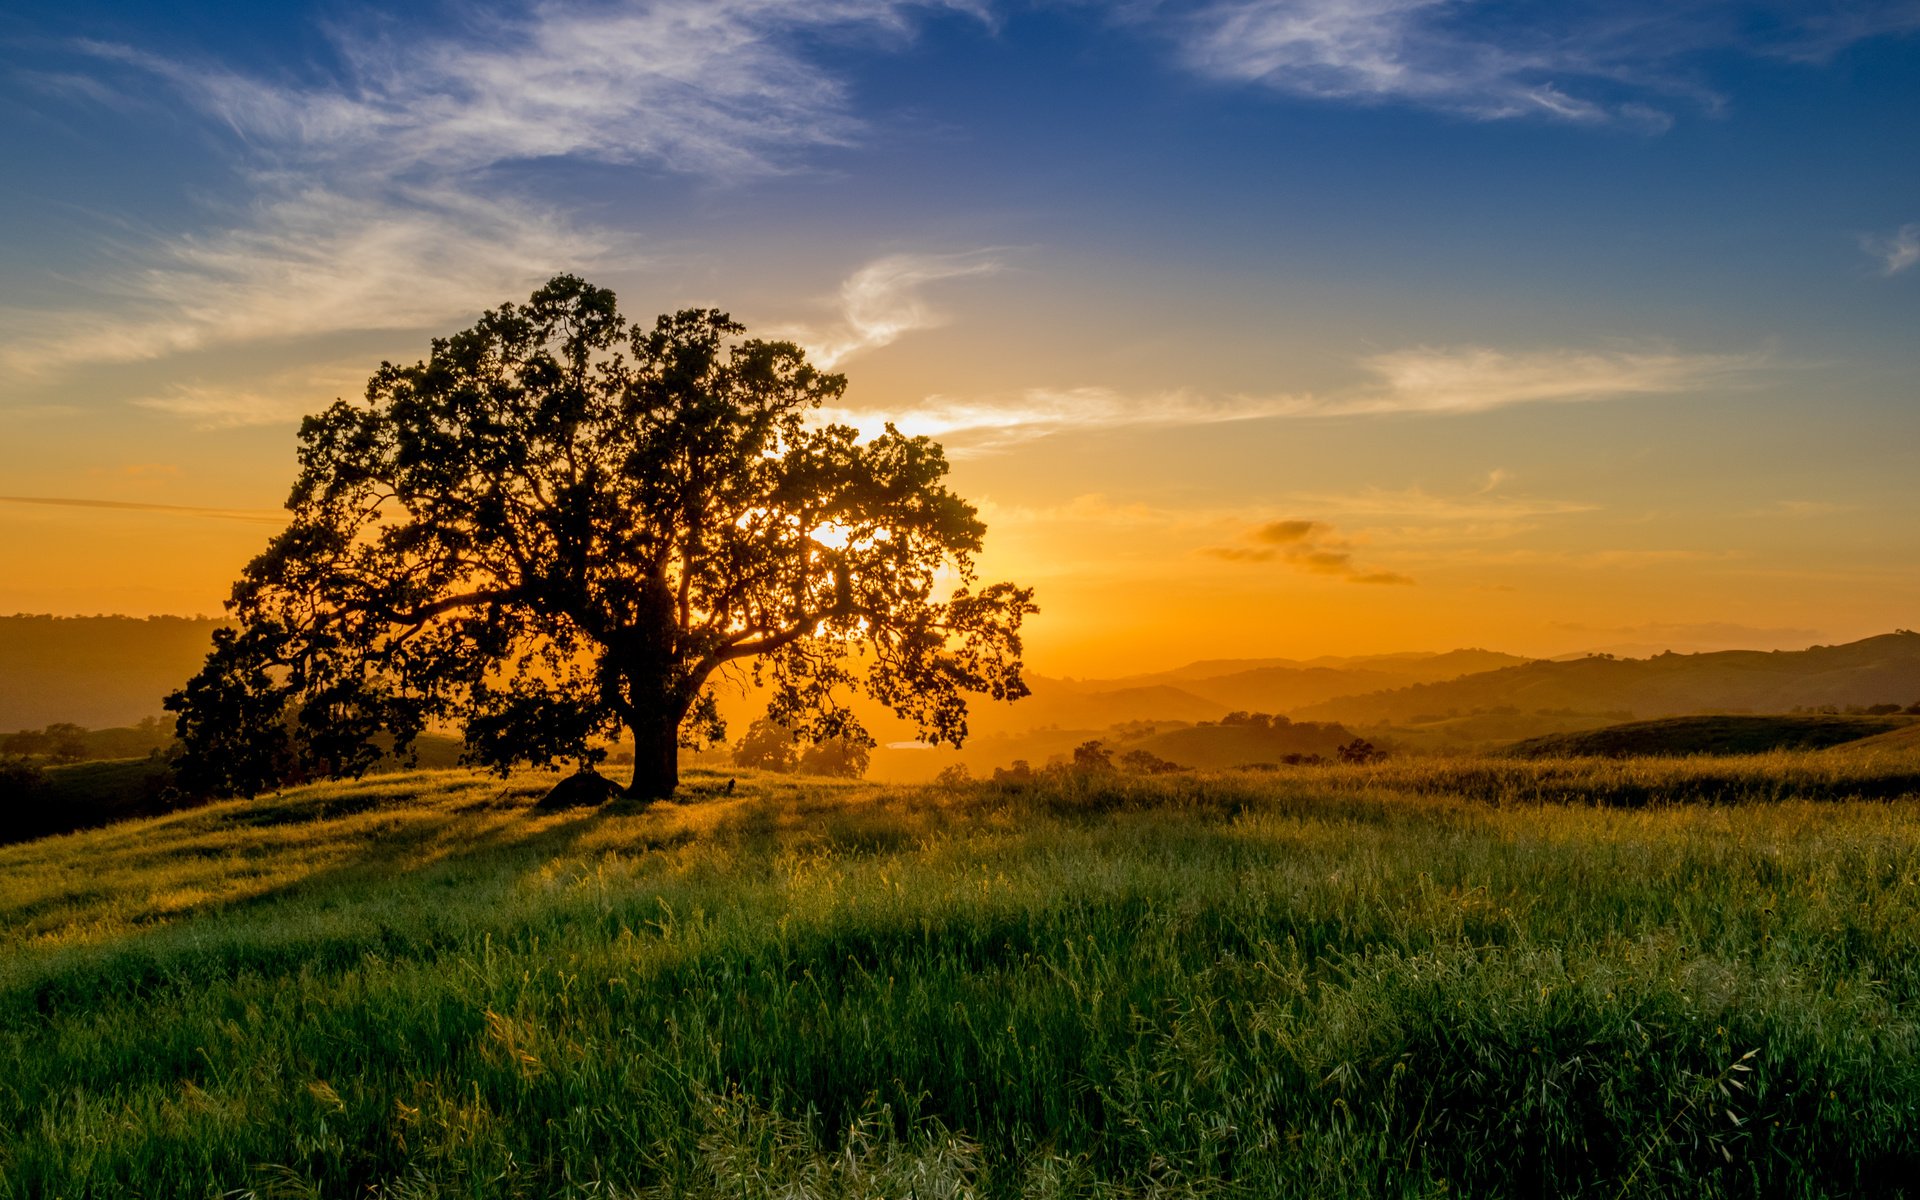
41 796
770 746
65 742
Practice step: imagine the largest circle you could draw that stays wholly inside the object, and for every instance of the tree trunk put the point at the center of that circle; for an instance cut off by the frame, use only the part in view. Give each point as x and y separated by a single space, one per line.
656 759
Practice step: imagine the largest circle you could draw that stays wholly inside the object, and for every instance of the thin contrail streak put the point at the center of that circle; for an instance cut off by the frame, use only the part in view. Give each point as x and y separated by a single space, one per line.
256 516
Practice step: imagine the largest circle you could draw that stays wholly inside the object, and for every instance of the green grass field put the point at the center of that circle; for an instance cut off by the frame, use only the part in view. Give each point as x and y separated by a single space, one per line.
1470 977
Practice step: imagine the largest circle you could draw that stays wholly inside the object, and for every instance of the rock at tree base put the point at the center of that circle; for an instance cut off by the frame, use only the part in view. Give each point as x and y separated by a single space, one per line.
583 789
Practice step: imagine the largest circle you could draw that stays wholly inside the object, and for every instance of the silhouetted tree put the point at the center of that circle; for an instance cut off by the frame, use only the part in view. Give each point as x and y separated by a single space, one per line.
66 742
1092 756
1146 762
767 746
1019 771
560 528
841 758
1360 750
26 742
18 778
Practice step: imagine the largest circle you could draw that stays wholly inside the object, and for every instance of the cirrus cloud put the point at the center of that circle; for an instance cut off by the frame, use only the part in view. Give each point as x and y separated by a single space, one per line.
394 195
884 300
1420 381
1594 63
1897 251
1476 379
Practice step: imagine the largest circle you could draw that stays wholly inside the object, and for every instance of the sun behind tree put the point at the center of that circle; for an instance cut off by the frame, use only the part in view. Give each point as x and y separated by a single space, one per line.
560 528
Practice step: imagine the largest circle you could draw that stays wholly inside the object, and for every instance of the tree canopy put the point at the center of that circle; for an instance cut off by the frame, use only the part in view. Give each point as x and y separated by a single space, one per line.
562 527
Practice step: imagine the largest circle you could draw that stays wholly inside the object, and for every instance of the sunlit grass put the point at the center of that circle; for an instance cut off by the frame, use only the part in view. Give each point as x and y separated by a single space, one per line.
1453 977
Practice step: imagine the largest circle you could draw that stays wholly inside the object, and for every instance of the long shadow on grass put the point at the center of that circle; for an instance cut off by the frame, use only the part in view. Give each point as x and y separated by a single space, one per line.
324 919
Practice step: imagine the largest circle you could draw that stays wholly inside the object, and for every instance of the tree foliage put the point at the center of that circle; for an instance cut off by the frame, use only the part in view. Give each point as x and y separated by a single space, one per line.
560 527
767 746
839 758
1361 751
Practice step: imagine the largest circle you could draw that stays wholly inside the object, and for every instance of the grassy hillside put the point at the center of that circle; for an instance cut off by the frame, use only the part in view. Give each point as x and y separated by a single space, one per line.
1709 735
1324 982
1907 737
1877 670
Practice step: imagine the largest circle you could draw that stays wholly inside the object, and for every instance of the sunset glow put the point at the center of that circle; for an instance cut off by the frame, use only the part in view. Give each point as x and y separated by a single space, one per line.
1283 327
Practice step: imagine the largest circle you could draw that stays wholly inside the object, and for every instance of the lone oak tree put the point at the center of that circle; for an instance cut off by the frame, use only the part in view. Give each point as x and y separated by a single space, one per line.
561 527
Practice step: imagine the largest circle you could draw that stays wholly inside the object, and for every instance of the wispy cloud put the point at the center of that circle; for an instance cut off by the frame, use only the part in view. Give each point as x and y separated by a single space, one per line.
1310 546
708 87
1432 381
1475 379
997 422
1425 519
386 198
1896 251
1802 509
1593 560
1376 50
1717 634
1589 63
256 516
308 260
277 399
883 300
1420 504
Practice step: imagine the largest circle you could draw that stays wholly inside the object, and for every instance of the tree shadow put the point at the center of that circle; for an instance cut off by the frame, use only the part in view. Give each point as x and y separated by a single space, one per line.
95 886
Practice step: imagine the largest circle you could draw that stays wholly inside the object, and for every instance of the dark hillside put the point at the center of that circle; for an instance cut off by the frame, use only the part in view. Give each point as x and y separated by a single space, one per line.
1679 736
39 801
1280 685
1877 670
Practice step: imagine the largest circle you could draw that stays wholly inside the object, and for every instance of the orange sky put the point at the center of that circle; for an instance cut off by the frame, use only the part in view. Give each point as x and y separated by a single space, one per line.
1280 327
1157 532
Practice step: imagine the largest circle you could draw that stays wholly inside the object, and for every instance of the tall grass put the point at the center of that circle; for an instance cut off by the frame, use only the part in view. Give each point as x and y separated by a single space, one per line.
1377 981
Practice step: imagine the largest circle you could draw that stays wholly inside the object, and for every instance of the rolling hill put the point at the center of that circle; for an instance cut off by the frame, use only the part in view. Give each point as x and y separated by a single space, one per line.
1283 689
1876 670
1681 736
1282 685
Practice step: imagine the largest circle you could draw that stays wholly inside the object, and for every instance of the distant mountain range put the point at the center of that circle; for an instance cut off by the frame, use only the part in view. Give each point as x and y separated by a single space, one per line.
1207 691
1876 670
112 671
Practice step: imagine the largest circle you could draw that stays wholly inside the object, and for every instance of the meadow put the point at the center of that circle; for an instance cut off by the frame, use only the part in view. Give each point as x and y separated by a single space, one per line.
1473 977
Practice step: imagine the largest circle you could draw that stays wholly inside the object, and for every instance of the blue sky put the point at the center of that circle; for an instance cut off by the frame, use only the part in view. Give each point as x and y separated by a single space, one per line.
1507 298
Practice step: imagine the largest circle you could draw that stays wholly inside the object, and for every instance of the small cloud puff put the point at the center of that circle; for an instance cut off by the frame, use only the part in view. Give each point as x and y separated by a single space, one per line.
1310 546
881 301
1897 251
